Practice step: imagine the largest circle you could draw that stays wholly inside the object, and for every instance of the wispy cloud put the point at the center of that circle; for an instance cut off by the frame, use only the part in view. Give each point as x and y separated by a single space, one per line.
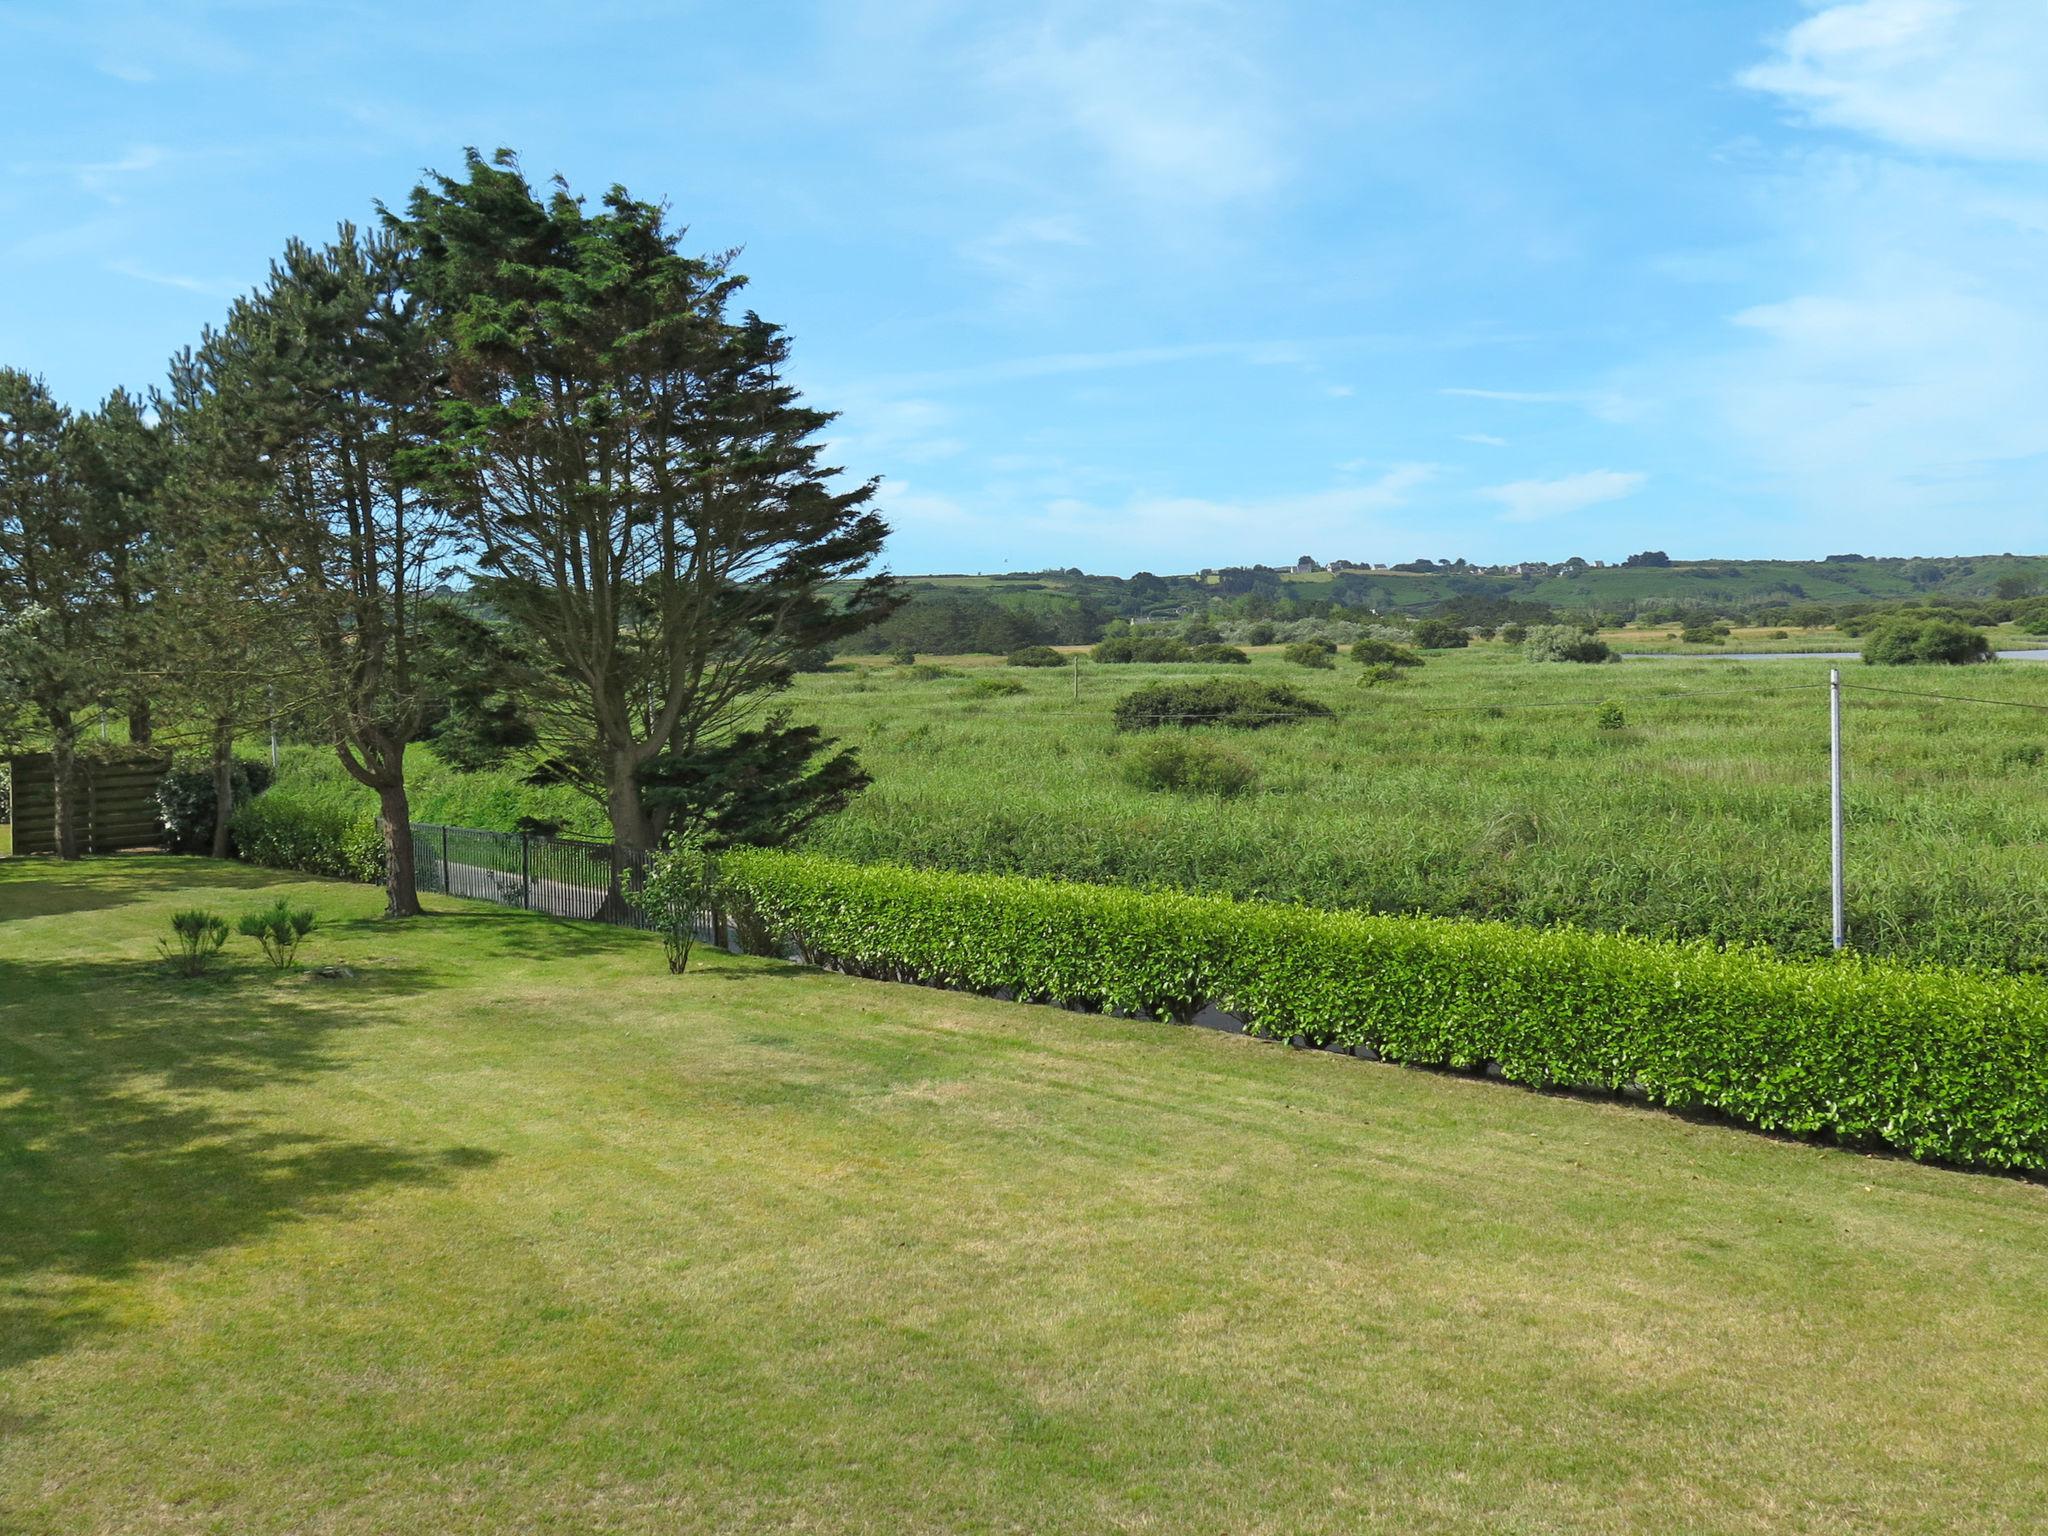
1604 404
1484 439
1943 75
170 280
1531 501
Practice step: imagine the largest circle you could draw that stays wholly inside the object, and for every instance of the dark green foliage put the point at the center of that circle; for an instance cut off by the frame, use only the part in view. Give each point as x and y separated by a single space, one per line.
1383 653
1310 653
476 720
1190 765
996 687
1937 1064
1704 634
1939 641
1438 635
279 832
185 801
1561 642
279 928
1513 634
1610 716
1035 656
1155 649
196 937
1260 634
1237 702
1201 632
1220 655
761 787
902 655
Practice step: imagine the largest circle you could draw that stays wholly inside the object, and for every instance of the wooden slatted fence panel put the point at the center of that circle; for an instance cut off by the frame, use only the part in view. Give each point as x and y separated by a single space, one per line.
116 803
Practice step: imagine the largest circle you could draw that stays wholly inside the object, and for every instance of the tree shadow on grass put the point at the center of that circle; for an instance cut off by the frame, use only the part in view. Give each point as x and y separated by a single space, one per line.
45 887
121 1144
537 936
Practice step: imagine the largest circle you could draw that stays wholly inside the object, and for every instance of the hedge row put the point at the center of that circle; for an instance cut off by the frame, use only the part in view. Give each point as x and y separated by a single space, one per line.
1937 1064
282 833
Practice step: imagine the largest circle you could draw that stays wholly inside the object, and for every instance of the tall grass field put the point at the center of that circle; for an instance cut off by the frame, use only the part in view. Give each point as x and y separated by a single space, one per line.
1479 785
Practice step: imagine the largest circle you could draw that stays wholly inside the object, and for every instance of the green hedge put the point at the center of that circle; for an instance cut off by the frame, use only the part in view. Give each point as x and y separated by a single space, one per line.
1938 1064
283 833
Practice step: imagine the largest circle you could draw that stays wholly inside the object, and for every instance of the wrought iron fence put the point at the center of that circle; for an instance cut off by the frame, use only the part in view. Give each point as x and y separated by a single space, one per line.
562 876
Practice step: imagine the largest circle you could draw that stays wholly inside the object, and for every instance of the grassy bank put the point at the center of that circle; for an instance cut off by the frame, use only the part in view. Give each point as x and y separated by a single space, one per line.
508 1230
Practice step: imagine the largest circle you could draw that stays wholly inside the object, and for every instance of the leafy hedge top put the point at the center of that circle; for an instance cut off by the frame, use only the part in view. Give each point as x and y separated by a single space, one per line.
1936 1063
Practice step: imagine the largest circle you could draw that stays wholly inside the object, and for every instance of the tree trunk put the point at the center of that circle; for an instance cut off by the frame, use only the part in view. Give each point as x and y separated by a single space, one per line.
634 835
64 770
140 726
223 785
401 881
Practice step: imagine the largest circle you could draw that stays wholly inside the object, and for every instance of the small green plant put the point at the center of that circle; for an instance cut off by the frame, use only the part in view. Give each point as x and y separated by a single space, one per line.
1379 675
197 935
995 687
279 928
681 881
903 655
1035 656
1609 716
1189 765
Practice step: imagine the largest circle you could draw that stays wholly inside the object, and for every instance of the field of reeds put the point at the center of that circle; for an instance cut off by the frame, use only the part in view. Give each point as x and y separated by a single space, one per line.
1478 785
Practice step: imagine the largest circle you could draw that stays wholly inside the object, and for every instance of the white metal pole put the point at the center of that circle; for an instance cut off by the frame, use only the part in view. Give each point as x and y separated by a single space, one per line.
272 701
1835 803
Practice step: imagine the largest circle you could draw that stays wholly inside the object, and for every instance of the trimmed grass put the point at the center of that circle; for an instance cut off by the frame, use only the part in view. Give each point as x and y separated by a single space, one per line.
509 1231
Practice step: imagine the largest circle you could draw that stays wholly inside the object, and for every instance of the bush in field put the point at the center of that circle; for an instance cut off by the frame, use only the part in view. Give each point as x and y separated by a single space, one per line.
1378 674
1373 652
1224 655
1200 632
1441 635
1035 656
1610 716
996 687
1189 765
1236 702
903 655
1513 634
1561 642
279 928
1704 634
1309 653
1944 641
1260 633
1805 1048
196 937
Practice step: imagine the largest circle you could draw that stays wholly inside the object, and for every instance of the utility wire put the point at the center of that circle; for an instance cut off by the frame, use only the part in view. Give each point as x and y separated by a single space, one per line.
1954 698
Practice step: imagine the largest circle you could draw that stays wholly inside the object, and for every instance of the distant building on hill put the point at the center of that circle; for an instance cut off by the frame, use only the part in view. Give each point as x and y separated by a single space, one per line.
1306 564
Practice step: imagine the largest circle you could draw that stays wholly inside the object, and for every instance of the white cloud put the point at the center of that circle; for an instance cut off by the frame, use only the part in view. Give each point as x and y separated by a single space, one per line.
1965 77
1529 501
169 279
1606 405
1484 439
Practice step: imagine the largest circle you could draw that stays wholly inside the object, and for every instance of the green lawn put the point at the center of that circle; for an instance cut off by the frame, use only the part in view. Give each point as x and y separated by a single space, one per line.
509 1231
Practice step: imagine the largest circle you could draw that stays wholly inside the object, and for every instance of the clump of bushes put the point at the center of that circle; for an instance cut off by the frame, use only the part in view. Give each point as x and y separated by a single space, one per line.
1704 634
1236 702
1035 656
1513 634
1561 642
1441 635
185 801
280 928
282 833
903 655
1190 765
1122 649
1310 653
1220 655
1804 1048
1943 641
197 936
1375 652
995 687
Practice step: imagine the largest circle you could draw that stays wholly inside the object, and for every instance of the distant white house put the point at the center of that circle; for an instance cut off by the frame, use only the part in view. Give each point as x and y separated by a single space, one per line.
1306 564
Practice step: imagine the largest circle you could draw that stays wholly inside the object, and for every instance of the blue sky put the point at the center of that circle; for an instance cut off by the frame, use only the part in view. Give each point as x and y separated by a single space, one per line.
1170 285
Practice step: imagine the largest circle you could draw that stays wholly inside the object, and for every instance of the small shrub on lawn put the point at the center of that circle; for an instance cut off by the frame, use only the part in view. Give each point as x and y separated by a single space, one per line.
1189 765
196 937
280 928
1035 656
1561 642
1609 716
678 888
1379 675
1236 702
1935 1063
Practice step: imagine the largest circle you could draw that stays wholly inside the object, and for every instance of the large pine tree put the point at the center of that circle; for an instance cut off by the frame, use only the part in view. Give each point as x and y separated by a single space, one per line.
644 490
